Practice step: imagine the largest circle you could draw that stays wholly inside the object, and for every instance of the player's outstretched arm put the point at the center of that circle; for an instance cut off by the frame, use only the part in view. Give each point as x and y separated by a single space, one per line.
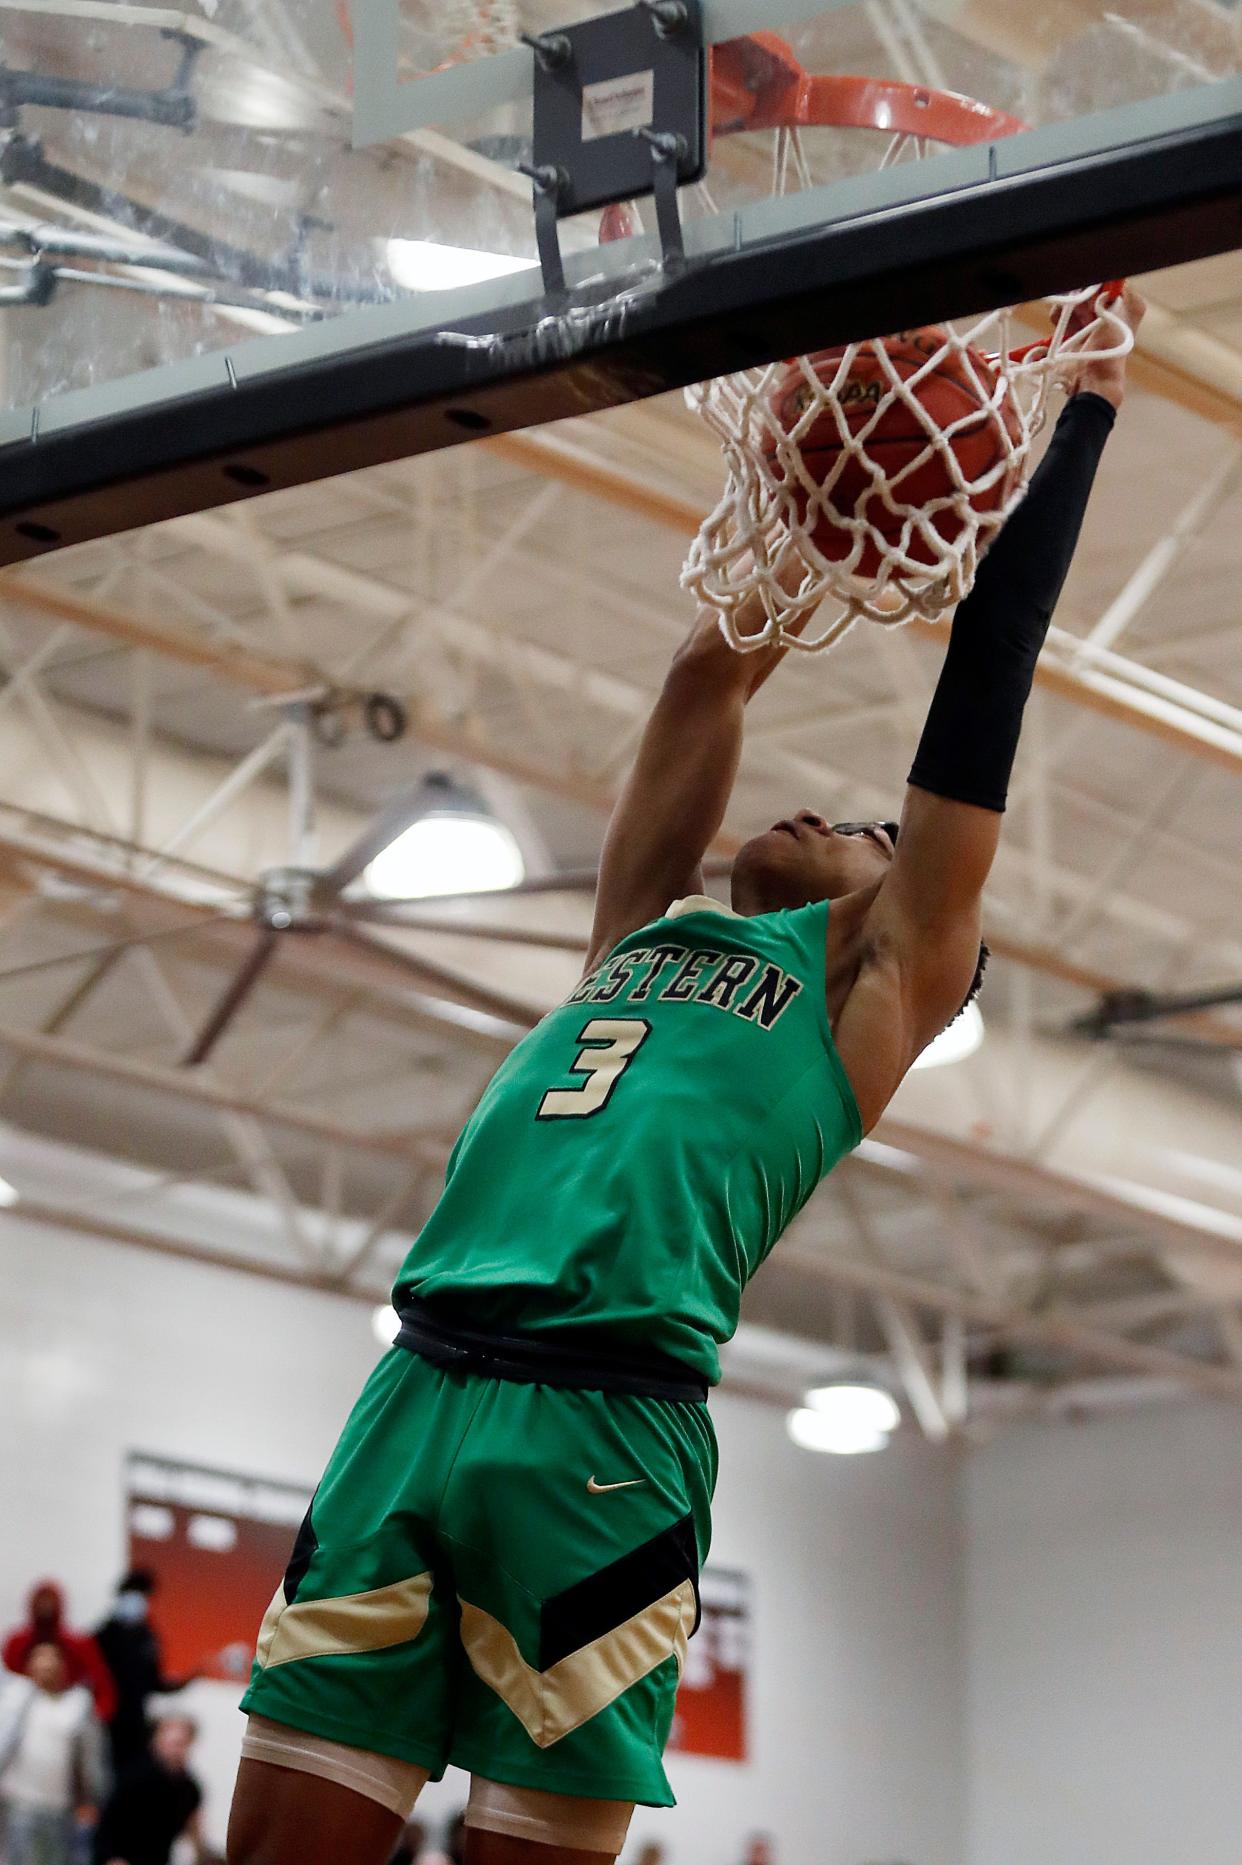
928 911
674 800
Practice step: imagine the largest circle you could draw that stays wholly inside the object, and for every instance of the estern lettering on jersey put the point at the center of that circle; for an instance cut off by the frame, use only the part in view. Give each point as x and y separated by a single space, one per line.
751 988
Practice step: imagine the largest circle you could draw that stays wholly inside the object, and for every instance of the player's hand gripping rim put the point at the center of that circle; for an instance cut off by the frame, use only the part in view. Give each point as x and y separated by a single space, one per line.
1104 374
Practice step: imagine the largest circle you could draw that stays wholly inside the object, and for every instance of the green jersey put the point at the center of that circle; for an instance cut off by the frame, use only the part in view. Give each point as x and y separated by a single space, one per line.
635 1158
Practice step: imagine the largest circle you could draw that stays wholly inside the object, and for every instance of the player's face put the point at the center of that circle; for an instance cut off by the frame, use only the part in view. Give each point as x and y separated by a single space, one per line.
804 858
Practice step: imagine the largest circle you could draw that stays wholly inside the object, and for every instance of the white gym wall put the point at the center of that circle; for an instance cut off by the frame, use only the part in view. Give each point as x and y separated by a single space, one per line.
1104 1641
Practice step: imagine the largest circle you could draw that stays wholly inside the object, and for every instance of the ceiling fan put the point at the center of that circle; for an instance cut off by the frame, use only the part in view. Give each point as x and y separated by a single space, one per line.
301 900
1136 1016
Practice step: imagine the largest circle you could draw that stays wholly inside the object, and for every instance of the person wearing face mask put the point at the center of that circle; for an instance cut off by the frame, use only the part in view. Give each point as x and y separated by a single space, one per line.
131 1650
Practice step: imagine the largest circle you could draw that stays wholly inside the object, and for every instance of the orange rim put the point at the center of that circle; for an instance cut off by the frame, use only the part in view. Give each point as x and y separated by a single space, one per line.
757 83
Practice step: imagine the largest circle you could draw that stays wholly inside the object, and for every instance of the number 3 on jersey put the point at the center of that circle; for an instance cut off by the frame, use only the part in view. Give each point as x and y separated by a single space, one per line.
609 1045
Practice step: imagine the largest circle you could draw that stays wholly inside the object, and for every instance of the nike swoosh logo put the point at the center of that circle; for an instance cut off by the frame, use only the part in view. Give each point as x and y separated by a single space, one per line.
602 1489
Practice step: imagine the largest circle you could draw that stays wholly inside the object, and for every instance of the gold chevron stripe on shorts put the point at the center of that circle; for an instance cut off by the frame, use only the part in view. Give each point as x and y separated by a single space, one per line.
320 1628
549 1704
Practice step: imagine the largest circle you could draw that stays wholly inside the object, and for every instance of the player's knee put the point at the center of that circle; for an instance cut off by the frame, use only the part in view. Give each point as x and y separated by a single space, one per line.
525 1826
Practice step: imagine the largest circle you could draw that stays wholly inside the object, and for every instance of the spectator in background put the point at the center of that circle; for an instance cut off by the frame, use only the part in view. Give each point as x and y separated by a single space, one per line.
154 1802
51 1760
131 1651
46 1626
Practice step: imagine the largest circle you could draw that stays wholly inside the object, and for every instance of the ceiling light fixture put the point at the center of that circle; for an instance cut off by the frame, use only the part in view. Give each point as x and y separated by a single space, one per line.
385 1324
811 1432
846 1420
454 847
960 1040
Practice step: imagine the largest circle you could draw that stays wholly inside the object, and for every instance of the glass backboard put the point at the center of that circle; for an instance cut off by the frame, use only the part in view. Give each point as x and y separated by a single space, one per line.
260 241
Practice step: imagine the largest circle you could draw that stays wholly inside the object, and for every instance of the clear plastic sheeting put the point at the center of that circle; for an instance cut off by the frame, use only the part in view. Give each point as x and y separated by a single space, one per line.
137 239
452 30
175 184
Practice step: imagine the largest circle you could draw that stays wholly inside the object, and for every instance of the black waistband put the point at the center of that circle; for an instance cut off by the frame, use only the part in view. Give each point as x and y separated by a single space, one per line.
537 1360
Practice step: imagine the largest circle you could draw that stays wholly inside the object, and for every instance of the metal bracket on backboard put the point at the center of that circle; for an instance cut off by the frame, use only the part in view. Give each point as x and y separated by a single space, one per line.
620 108
385 105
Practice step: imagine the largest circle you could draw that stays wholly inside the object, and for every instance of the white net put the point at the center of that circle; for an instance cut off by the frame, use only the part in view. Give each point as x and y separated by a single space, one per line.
874 475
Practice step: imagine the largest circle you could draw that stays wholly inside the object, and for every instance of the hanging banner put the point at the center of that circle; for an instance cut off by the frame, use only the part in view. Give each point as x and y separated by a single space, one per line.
217 1544
711 1704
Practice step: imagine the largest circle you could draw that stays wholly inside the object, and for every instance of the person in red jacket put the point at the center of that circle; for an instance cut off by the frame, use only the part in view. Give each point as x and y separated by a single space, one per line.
83 1658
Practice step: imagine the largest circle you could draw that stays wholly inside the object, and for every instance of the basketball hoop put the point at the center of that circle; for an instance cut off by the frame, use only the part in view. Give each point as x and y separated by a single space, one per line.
874 474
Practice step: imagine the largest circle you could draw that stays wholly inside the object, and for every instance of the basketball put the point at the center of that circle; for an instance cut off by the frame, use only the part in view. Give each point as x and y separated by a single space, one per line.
897 446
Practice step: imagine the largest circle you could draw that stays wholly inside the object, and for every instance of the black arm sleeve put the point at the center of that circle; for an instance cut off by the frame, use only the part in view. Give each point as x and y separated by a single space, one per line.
971 736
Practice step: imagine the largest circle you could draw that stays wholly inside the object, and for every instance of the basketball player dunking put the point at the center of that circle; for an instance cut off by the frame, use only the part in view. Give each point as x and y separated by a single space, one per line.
500 1565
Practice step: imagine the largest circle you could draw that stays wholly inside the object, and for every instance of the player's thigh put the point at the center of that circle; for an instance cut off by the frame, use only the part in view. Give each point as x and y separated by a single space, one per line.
359 1647
283 1817
524 1826
575 1524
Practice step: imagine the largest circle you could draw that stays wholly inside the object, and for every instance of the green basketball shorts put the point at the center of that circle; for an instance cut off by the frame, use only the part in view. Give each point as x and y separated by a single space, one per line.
498 1575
